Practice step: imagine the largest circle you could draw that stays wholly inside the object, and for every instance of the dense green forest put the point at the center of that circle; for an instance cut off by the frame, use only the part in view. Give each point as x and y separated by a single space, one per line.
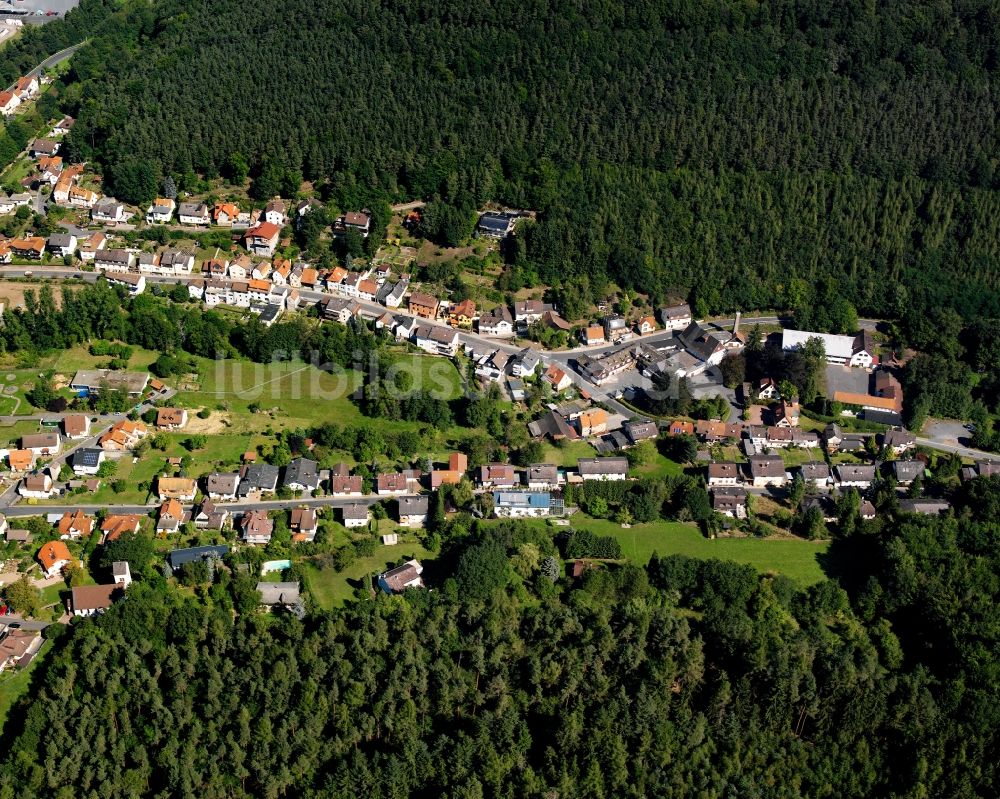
689 678
740 155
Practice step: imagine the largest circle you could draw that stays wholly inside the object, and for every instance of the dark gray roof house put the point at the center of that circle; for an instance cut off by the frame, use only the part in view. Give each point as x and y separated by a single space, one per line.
907 471
258 477
178 557
301 474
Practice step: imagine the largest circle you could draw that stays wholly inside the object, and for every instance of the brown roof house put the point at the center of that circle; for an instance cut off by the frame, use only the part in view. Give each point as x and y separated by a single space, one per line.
171 418
399 579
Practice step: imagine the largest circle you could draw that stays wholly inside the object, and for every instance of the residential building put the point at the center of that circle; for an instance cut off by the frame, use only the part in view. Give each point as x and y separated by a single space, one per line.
898 441
423 305
593 422
90 246
301 474
462 314
497 475
494 225
258 478
521 504
593 335
905 472
114 260
641 431
552 425
123 435
924 507
557 378
856 350
354 515
222 486
89 600
646 324
26 87
339 310
109 212
497 323
171 516
209 516
8 102
523 364
257 527
193 214
87 460
180 488
133 284
359 221
18 647
121 574
527 312
767 470
303 524
43 445
346 485
82 198
724 474
393 298
458 465
263 239
679 427
53 557
115 526
707 345
542 476
818 474
436 340
74 525
391 484
32 247
178 557
730 502
275 212
62 244
854 475
285 594
602 468
37 486
161 211
399 579
20 460
225 214
413 511
43 146
676 317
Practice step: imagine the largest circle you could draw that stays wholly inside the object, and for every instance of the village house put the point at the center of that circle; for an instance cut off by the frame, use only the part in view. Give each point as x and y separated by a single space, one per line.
816 474
161 211
638 432
542 476
225 214
109 211
170 517
74 525
114 260
593 422
346 485
89 600
42 445
133 284
53 557
87 461
62 244
32 247
18 647
767 470
646 324
676 317
495 225
21 460
122 436
497 475
602 468
171 418
556 378
8 102
856 350
193 214
393 298
43 146
924 506
730 502
222 486
527 312
27 87
906 472
208 516
423 305
180 488
854 475
303 524
91 245
724 474
898 441
258 478
359 221
401 578
436 340
788 413
521 504
593 335
413 511
275 212
462 314
391 484
497 323
354 515
257 527
115 526
525 363
301 474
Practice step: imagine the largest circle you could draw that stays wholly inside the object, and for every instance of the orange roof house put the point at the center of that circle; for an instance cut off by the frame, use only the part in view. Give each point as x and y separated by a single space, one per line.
52 554
20 460
115 526
75 525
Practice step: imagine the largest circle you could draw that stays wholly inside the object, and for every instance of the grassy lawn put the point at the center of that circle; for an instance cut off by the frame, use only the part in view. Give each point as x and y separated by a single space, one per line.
14 683
658 466
332 589
568 453
793 456
795 558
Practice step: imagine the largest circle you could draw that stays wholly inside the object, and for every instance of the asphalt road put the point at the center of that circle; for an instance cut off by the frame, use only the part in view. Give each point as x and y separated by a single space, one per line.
235 507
